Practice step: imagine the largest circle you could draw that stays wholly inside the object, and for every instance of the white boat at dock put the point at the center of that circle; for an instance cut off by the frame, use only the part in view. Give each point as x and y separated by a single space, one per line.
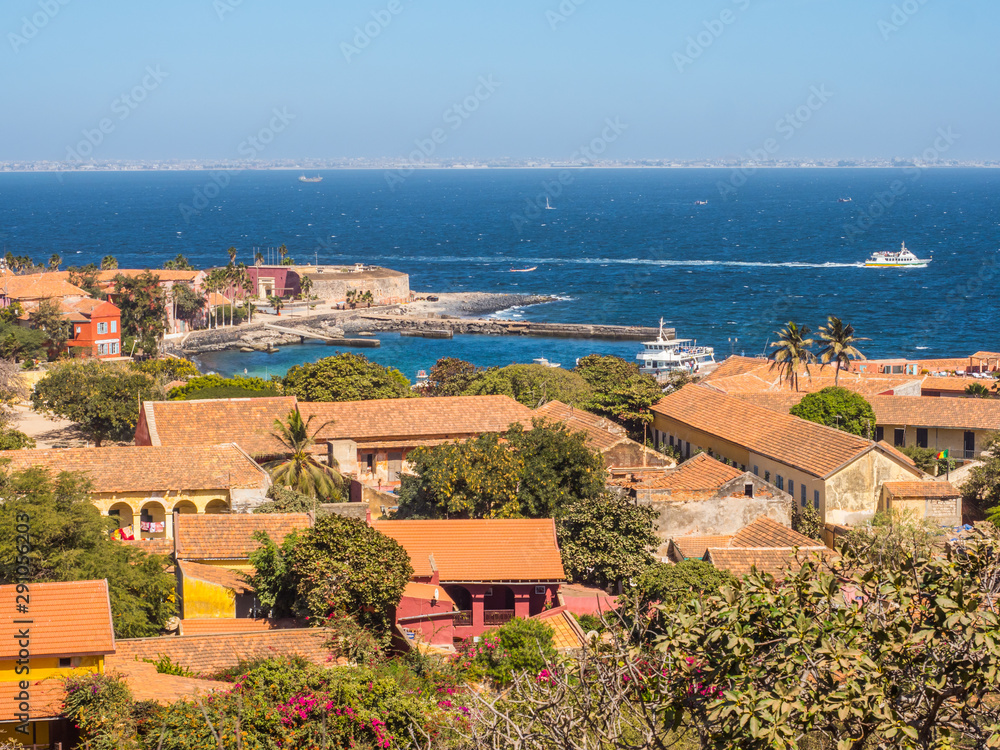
545 363
902 257
664 356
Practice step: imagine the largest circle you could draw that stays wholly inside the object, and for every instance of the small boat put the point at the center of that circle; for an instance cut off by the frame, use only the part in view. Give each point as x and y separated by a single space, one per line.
523 270
844 200
317 178
701 203
548 205
544 362
901 257
663 356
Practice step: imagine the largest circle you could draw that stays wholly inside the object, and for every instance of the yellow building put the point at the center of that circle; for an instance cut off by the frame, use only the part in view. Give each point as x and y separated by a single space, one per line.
144 486
837 473
958 425
65 629
213 553
940 502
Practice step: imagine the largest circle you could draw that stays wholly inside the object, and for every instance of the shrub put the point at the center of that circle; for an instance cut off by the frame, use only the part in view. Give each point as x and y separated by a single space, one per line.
515 647
807 521
169 368
101 706
216 386
15 440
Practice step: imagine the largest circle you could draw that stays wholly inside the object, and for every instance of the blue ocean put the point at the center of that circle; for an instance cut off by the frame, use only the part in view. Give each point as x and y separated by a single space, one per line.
626 246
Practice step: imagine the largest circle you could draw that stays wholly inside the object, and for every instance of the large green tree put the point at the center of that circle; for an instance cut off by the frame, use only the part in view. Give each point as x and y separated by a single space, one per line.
838 408
450 376
48 318
143 303
345 377
340 566
179 263
792 350
70 542
103 399
982 489
605 540
532 385
517 474
838 345
620 392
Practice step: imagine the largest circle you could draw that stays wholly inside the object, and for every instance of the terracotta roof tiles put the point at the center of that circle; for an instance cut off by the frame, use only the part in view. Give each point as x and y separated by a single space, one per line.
415 418
132 468
147 684
775 561
694 547
764 532
946 413
247 422
920 489
38 286
949 384
70 618
567 635
230 537
226 625
481 550
46 699
812 448
699 473
601 432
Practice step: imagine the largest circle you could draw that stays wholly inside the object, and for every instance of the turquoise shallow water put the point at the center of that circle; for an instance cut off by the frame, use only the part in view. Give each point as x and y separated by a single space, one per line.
621 246
412 354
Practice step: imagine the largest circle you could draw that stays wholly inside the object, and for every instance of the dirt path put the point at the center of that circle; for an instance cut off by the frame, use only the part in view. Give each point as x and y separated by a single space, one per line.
47 432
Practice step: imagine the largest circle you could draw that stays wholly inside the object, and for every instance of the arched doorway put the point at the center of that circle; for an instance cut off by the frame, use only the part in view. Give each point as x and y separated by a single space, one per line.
498 606
153 521
463 603
122 513
186 507
217 506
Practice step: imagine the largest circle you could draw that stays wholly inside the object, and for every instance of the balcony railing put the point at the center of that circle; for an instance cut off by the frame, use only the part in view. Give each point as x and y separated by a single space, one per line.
463 617
497 616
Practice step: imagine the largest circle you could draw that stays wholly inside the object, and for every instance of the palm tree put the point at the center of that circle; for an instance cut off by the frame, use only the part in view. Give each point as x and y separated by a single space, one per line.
109 263
282 251
55 260
276 303
232 255
258 259
306 285
977 390
792 350
839 340
301 471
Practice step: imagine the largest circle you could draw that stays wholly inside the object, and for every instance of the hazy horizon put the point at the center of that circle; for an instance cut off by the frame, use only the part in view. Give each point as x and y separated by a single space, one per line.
235 79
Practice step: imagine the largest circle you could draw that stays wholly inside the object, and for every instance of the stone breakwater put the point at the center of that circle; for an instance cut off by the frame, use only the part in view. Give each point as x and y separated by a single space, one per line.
257 336
375 323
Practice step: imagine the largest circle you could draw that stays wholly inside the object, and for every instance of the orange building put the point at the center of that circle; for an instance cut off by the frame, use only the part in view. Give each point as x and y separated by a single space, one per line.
96 327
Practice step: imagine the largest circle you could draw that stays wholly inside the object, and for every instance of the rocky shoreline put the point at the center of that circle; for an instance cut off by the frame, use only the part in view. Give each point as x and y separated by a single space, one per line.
339 324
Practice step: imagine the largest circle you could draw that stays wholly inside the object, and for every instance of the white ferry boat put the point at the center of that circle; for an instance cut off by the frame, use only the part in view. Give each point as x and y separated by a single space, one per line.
317 178
902 257
664 356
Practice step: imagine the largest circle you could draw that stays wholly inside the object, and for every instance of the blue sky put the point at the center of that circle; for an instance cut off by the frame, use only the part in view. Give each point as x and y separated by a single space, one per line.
558 72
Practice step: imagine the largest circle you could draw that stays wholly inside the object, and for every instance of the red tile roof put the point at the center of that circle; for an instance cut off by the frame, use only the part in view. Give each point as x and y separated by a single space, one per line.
230 537
920 489
426 592
567 635
226 625
775 562
248 422
946 413
68 619
735 365
46 699
764 532
694 547
699 473
147 684
488 550
38 286
952 384
415 418
133 468
210 654
810 447
759 376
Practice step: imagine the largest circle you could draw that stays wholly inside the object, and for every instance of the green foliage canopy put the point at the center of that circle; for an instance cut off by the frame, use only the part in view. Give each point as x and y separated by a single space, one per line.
143 304
216 386
620 391
345 377
838 408
532 385
103 399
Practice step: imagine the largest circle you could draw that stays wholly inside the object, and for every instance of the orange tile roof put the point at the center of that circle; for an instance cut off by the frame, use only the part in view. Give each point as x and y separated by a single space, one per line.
224 625
70 618
759 376
699 473
210 654
152 546
426 592
894 451
920 489
947 413
775 561
215 574
489 550
147 684
949 384
735 365
131 468
46 700
764 532
694 547
88 306
230 537
106 277
775 401
567 635
218 300
601 432
38 286
247 422
415 418
810 447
